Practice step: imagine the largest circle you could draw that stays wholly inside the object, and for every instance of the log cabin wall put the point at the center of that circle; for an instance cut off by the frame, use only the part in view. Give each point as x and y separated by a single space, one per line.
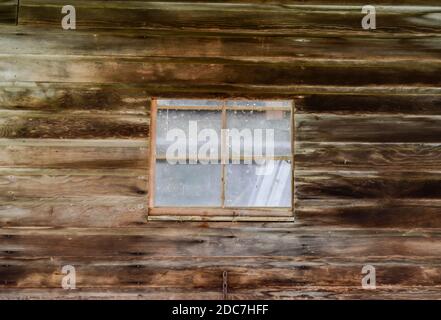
74 147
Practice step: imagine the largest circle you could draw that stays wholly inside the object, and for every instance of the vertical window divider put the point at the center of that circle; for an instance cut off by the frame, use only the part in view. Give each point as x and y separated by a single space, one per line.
153 111
293 147
223 149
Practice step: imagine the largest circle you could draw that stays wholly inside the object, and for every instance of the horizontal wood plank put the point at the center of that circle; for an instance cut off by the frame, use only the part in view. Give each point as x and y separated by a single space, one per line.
8 12
389 128
117 211
367 156
71 95
367 185
135 43
213 71
74 153
221 239
43 183
206 273
372 104
389 213
215 16
102 211
339 293
65 125
303 293
62 97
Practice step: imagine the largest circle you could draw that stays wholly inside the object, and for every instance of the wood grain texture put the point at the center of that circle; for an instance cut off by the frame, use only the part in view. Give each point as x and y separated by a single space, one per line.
211 71
74 129
389 128
212 17
369 104
80 211
8 12
144 43
180 273
369 213
74 153
372 184
367 156
74 125
41 183
120 211
303 293
167 239
62 97
296 263
124 98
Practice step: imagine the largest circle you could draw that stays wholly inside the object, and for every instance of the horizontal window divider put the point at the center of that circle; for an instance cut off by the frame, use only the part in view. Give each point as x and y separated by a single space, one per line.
275 158
251 108
216 108
219 211
197 218
212 108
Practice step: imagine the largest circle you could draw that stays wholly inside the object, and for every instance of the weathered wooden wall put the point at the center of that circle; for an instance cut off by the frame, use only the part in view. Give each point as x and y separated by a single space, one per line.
74 127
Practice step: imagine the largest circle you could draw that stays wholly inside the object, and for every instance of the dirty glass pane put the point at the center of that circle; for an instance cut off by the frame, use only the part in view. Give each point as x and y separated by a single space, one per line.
259 103
188 128
258 185
269 130
189 103
187 185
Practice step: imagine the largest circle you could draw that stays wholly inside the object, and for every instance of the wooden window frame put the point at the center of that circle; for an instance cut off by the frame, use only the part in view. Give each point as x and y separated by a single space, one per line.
205 213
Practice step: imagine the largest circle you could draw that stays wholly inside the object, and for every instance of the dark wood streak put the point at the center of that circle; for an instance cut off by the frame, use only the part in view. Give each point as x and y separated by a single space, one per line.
370 213
8 12
142 43
259 17
367 104
388 128
180 272
368 185
30 124
211 71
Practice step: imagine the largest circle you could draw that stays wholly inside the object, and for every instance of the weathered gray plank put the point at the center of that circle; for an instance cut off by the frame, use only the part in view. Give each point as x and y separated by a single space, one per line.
114 294
328 292
74 153
43 183
85 211
339 293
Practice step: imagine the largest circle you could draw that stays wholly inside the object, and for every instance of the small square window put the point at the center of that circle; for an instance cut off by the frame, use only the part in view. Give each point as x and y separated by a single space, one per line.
221 159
